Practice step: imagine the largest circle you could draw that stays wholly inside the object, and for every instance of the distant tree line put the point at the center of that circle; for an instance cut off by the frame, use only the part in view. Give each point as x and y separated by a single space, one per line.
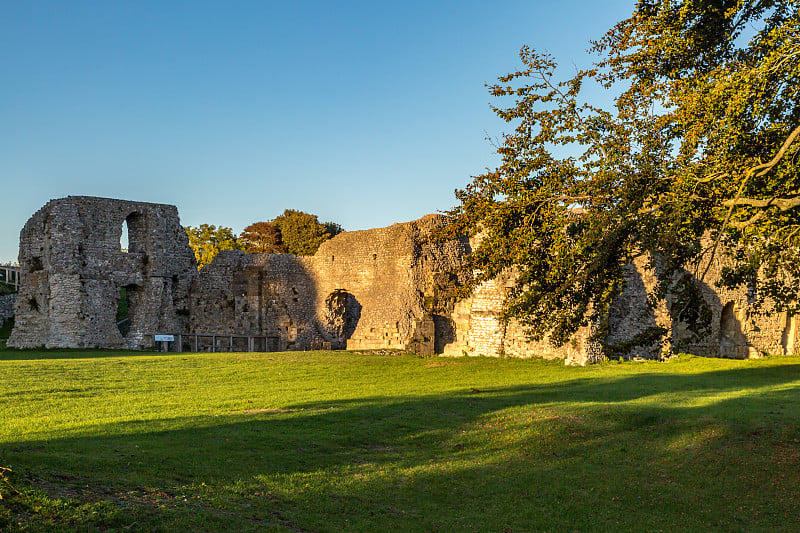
293 232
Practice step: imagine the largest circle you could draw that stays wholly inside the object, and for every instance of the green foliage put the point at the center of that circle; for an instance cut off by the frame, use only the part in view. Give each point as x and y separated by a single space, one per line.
293 232
315 441
208 240
727 74
262 238
701 142
123 310
5 329
301 232
6 288
333 228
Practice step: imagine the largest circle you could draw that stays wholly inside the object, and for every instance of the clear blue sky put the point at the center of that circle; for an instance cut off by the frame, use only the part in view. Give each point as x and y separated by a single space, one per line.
363 113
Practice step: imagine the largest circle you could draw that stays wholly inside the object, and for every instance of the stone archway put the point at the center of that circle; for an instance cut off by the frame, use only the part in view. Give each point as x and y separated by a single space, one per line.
789 337
732 340
134 229
340 317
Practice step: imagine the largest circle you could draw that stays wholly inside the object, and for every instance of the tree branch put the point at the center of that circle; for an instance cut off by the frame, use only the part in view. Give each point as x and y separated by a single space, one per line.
784 204
758 171
762 169
752 220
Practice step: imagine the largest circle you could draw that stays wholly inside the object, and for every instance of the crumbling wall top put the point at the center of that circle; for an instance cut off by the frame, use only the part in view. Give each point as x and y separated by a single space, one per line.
73 267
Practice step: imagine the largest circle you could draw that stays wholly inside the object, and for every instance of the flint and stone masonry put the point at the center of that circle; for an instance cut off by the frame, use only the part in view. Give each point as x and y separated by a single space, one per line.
73 268
390 287
380 288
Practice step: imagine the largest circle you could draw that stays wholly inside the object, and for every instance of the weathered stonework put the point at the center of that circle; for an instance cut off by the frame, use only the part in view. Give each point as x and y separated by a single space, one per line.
361 290
73 269
390 287
480 331
735 330
635 330
249 294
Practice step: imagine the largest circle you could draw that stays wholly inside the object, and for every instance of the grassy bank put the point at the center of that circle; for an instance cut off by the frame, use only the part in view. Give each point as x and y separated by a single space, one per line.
327 441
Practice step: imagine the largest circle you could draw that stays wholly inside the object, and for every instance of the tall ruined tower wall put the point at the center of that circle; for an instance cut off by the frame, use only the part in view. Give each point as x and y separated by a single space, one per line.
73 269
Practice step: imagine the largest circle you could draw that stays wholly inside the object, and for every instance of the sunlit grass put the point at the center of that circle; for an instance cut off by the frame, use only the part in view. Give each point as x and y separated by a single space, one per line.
330 441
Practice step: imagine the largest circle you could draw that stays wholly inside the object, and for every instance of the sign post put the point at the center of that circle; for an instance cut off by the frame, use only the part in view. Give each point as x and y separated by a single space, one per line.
164 340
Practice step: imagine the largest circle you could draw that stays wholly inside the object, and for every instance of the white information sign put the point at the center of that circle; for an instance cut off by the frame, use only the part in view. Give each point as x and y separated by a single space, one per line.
164 338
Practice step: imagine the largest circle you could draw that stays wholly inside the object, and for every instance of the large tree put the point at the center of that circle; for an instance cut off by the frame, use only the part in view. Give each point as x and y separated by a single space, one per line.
333 228
262 238
302 233
698 151
208 240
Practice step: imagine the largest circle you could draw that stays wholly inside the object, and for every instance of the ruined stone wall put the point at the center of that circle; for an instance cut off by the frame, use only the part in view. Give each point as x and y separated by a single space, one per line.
73 269
735 329
381 288
7 307
265 294
395 287
738 330
400 278
635 330
392 287
480 331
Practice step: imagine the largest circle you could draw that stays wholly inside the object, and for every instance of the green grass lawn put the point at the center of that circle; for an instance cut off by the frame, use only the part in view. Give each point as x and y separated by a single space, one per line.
336 441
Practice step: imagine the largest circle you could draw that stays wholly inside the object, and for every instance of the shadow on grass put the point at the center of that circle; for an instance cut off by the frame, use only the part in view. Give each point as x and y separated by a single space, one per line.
586 454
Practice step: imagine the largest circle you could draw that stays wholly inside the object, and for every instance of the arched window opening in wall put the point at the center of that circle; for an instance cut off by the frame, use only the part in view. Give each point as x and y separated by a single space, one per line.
122 318
732 341
125 308
123 240
789 337
133 234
